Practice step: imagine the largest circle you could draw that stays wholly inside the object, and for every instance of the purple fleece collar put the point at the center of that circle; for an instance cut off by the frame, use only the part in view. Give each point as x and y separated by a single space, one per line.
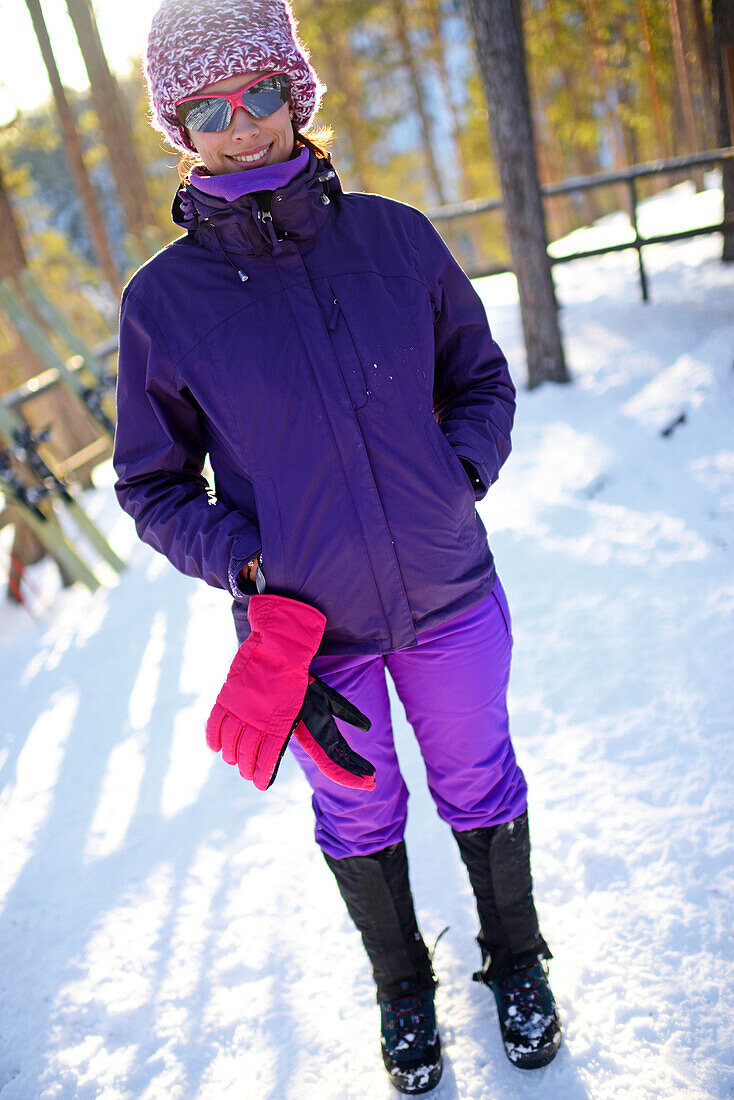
233 185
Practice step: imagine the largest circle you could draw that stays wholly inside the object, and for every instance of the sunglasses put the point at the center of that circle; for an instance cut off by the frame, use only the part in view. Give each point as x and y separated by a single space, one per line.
212 113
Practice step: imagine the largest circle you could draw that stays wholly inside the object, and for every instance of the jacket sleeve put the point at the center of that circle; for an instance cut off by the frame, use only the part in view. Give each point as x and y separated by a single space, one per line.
473 394
159 458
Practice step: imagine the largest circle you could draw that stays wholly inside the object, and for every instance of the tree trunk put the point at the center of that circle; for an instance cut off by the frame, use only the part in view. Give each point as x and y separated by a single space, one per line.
338 65
12 253
501 55
577 153
550 170
73 151
433 11
608 96
419 97
127 172
653 85
722 12
684 88
599 65
706 63
470 240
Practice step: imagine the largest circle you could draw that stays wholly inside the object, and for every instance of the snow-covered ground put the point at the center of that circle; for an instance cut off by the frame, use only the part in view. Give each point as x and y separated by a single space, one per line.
168 931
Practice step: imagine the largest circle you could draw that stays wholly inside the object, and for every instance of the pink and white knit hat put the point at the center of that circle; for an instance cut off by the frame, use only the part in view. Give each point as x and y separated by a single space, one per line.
192 44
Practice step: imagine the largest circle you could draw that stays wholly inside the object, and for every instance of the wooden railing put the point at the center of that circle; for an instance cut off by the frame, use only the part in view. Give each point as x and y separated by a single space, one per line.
627 177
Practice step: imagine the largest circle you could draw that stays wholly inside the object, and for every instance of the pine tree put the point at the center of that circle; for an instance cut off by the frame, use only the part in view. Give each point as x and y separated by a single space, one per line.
501 55
412 65
130 182
73 152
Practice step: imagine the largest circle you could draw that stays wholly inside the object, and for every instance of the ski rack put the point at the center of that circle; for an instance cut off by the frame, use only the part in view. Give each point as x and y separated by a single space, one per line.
34 502
25 502
21 444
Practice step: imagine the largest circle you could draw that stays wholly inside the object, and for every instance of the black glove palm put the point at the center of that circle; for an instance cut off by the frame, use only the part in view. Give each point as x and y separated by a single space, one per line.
317 732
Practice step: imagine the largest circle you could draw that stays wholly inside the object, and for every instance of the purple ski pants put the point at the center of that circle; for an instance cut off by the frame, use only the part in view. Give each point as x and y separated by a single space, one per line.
453 685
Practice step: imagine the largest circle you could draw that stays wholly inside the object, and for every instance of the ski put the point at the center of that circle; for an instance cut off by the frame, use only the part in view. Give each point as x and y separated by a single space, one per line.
44 525
24 443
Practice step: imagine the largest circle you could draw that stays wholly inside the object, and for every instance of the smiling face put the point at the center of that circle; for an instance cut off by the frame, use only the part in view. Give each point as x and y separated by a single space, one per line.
247 142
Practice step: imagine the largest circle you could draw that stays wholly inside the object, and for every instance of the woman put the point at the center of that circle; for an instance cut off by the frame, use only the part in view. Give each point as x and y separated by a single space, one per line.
335 364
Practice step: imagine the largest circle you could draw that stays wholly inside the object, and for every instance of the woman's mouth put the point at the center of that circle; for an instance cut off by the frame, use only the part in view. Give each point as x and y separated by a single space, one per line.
257 157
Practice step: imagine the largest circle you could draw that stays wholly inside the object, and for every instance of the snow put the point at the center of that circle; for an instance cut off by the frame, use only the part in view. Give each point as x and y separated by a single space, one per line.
169 931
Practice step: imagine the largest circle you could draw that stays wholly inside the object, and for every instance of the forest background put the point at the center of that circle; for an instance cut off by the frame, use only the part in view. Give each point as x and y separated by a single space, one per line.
612 84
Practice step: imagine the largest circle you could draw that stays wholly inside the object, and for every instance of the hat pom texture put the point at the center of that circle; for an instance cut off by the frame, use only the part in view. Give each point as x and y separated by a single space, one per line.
191 45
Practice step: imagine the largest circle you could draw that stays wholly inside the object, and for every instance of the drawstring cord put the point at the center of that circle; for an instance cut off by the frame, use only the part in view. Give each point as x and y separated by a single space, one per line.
265 217
226 255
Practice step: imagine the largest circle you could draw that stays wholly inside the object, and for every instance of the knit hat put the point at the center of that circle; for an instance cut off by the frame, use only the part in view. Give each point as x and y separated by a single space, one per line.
193 43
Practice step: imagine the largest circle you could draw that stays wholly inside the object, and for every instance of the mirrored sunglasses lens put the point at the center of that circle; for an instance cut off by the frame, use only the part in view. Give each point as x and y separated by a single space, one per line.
205 115
266 97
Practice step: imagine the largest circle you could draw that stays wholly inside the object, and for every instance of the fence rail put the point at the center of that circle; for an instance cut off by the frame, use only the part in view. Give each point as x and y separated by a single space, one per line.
626 176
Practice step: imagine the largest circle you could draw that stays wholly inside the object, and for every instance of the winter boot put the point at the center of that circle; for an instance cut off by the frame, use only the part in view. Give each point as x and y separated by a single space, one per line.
411 1047
529 1022
498 861
377 893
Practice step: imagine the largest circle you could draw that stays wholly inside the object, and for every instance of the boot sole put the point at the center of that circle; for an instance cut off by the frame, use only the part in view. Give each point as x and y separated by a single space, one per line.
428 1075
534 1059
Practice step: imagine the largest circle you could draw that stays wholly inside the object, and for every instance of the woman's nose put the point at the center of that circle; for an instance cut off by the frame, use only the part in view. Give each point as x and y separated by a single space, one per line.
243 123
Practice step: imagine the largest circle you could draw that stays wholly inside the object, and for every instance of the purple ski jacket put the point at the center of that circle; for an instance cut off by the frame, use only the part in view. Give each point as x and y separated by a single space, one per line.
333 361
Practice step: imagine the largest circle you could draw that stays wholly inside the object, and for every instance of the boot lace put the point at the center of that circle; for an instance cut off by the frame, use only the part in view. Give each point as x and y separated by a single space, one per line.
525 992
407 1021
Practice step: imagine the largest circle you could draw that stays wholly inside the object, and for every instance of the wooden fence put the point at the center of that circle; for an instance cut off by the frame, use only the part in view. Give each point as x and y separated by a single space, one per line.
628 178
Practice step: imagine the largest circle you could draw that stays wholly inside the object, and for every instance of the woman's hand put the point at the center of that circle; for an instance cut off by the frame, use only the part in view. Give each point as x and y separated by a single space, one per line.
249 571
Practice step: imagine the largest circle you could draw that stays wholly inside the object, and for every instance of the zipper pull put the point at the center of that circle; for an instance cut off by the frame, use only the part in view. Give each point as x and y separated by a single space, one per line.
266 218
334 315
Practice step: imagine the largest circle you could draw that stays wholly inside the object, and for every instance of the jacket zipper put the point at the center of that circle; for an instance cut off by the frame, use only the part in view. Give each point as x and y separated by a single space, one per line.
265 217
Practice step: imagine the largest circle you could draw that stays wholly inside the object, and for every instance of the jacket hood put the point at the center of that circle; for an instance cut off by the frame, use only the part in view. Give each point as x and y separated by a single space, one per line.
257 221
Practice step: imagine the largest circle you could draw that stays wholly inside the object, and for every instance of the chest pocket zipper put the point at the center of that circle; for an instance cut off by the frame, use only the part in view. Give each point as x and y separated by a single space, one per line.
352 372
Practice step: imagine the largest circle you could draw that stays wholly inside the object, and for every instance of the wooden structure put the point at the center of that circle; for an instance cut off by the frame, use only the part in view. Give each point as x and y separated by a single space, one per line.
33 479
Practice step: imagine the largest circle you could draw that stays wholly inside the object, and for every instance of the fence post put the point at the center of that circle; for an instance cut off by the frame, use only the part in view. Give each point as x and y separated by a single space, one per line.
638 243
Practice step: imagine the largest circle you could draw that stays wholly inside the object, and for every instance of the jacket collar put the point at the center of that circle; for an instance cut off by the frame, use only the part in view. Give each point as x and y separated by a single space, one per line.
260 221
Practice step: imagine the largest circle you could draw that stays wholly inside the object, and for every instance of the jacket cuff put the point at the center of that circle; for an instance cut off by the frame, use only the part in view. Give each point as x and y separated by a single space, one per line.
242 590
476 482
467 452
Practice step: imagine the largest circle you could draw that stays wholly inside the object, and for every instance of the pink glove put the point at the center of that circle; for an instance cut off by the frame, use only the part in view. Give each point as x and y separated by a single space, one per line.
268 695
